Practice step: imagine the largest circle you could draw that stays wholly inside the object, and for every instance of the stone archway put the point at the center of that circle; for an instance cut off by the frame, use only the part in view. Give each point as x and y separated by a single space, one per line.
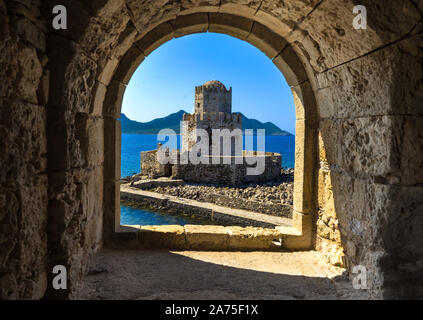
284 57
367 88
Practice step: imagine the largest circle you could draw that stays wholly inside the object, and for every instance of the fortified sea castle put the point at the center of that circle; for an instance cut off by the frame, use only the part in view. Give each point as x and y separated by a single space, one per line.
213 110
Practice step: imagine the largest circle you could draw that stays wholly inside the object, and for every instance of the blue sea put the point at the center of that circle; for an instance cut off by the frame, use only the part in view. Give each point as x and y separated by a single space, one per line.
132 215
133 144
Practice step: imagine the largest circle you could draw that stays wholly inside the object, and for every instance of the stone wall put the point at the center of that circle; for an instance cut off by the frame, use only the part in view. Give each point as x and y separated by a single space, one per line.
221 174
23 151
208 121
150 167
229 174
359 90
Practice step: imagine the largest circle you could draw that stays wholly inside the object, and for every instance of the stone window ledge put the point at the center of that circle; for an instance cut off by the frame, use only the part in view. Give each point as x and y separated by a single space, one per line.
208 237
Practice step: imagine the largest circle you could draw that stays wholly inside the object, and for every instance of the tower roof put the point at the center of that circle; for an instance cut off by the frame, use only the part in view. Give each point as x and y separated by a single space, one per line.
214 84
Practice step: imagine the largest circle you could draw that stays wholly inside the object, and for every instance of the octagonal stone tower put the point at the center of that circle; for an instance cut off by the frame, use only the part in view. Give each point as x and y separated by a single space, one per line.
212 110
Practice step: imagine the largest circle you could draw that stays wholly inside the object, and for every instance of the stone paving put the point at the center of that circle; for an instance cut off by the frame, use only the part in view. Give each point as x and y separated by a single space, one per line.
133 274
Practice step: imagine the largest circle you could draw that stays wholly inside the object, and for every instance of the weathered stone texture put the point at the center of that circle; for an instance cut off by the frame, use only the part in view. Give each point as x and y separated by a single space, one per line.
328 37
372 219
401 230
23 162
228 174
147 13
368 88
375 75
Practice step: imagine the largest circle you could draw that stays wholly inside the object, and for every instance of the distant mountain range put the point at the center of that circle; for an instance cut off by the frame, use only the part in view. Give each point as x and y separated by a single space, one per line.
173 120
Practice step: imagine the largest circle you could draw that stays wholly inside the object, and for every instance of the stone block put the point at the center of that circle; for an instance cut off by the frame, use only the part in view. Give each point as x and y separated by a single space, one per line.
107 70
251 238
111 214
125 237
283 16
31 73
299 236
128 64
324 163
188 24
367 146
371 76
266 40
98 100
325 193
243 8
9 228
305 101
126 40
30 33
79 83
331 32
146 16
206 237
333 251
280 27
330 143
89 132
113 101
290 66
112 149
166 236
155 38
293 242
236 26
208 6
78 19
305 162
408 149
24 148
94 206
357 203
43 88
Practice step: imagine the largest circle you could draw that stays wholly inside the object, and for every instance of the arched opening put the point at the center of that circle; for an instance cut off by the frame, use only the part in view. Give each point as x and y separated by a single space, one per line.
299 236
162 91
365 166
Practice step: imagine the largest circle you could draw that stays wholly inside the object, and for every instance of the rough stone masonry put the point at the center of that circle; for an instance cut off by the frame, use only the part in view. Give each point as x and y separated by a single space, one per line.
359 114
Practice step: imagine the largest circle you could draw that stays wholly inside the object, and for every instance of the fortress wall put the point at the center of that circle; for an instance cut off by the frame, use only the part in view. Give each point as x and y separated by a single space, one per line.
228 174
209 121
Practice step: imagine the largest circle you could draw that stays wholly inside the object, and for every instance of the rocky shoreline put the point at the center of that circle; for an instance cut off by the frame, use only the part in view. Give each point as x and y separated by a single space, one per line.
274 198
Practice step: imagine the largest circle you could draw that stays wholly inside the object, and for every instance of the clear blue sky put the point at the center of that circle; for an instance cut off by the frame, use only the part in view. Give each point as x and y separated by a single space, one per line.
164 82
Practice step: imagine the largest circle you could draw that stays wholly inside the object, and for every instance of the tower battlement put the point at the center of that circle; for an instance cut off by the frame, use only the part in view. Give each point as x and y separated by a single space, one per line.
213 97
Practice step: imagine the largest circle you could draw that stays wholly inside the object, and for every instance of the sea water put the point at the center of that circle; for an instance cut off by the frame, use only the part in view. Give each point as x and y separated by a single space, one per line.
133 144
